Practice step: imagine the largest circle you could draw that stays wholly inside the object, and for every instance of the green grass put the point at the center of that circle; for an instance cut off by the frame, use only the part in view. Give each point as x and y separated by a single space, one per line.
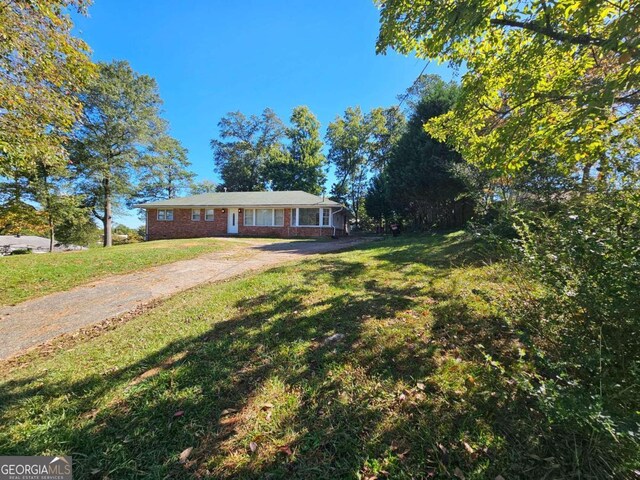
28 276
420 386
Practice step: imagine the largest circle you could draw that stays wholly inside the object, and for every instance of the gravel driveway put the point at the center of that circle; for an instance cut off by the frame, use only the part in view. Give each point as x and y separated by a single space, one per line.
36 321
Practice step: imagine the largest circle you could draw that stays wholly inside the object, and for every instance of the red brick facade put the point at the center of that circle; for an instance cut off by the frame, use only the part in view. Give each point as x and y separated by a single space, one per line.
182 226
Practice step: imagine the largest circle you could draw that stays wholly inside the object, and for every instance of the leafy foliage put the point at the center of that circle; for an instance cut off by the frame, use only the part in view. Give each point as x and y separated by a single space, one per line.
20 218
300 164
164 171
582 325
43 66
203 186
522 97
120 122
244 149
422 183
359 146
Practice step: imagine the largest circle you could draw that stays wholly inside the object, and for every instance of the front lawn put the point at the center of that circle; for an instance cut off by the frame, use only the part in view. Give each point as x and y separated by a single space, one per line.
392 360
28 276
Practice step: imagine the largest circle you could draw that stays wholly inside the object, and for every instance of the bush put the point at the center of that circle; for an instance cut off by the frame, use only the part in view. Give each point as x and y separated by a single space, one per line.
583 324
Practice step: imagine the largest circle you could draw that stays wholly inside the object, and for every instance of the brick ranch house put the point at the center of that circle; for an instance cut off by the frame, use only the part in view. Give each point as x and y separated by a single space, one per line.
274 214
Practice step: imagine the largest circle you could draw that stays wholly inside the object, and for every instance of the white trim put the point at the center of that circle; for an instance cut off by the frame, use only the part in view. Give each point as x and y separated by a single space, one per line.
165 210
193 211
254 217
320 217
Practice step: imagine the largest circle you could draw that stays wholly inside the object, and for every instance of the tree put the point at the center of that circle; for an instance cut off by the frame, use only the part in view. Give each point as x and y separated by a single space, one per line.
421 179
387 127
50 187
164 171
376 200
244 148
357 149
78 229
120 122
43 68
299 165
37 200
521 97
203 186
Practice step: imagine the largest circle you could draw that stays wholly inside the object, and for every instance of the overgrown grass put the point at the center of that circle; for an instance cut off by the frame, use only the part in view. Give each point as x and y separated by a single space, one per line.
28 276
247 373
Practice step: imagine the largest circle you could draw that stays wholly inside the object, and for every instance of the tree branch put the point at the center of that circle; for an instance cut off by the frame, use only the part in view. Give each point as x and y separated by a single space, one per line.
547 31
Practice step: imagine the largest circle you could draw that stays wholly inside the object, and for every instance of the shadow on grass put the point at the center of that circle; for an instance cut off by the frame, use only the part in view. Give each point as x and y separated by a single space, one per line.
404 393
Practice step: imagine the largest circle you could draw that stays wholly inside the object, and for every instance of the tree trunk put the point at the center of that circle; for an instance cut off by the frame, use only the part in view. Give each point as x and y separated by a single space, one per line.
51 234
107 213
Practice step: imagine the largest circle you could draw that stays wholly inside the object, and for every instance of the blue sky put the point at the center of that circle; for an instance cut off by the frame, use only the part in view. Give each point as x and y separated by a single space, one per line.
211 57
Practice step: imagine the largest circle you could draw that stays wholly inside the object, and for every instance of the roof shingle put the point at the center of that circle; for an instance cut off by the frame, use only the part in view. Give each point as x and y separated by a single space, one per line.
245 199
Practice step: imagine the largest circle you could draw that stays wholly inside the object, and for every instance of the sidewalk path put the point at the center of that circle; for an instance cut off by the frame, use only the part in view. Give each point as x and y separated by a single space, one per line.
36 321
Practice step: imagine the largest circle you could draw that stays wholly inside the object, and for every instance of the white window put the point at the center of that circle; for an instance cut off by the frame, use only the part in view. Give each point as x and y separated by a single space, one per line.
278 217
208 215
326 212
165 215
195 214
309 217
294 211
264 217
248 217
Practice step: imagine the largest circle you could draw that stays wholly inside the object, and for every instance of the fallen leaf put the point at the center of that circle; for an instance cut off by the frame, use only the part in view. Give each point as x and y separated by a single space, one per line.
253 446
268 417
458 473
420 386
179 413
227 411
286 449
402 397
95 471
266 406
468 447
499 477
185 454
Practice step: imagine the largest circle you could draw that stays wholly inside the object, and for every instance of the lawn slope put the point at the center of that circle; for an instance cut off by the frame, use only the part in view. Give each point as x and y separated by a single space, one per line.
389 360
28 276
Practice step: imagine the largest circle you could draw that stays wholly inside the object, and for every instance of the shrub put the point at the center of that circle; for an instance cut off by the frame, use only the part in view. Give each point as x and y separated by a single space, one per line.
583 323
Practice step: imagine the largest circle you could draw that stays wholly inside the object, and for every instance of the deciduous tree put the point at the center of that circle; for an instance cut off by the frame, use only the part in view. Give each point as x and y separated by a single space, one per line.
42 68
120 121
359 148
300 164
244 147
559 76
203 186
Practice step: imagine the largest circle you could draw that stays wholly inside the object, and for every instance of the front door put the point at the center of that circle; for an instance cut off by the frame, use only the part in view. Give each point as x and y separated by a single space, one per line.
232 220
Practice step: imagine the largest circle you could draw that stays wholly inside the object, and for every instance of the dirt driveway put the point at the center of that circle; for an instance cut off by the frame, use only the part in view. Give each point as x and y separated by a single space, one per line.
36 321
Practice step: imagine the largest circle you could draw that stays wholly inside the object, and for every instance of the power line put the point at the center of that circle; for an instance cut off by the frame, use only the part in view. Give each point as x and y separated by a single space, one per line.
414 82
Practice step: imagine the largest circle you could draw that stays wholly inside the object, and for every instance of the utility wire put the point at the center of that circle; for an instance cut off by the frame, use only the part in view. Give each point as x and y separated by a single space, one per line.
414 82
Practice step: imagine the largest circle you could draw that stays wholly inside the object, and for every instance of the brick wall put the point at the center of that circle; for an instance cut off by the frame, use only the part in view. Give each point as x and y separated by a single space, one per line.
183 227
